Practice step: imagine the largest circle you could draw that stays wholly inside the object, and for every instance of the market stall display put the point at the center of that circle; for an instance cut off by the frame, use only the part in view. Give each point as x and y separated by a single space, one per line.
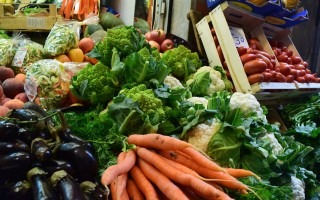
110 116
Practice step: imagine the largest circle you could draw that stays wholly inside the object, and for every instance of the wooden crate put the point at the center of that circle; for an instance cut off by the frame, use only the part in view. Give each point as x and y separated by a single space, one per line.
25 23
220 18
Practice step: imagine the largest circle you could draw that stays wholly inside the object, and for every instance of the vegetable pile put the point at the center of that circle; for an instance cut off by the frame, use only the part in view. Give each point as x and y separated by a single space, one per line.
41 159
160 166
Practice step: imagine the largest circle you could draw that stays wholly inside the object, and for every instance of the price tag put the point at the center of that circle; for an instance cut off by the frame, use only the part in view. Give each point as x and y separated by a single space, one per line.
19 57
238 36
36 22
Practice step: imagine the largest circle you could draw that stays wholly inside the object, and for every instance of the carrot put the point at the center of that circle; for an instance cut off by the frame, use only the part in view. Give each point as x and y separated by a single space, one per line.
120 168
113 189
181 167
68 9
221 178
168 188
63 5
240 173
133 190
157 141
96 9
200 187
122 180
202 159
91 6
143 183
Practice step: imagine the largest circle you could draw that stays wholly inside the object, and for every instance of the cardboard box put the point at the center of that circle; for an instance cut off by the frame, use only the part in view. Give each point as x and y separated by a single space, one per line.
269 7
289 20
213 3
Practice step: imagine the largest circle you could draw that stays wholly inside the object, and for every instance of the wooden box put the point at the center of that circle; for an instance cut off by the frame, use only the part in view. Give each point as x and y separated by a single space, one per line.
225 15
26 23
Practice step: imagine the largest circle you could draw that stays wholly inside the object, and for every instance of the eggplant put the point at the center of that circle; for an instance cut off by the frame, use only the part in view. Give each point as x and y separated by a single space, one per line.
92 191
41 186
24 115
20 190
53 165
26 135
8 130
83 162
67 136
14 146
68 188
14 166
41 150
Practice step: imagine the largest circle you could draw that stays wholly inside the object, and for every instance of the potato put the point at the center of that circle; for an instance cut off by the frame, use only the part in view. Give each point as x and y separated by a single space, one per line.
14 104
12 87
5 73
4 100
3 111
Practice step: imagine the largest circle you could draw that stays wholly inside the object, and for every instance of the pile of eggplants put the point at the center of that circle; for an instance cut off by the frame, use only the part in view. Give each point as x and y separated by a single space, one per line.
40 158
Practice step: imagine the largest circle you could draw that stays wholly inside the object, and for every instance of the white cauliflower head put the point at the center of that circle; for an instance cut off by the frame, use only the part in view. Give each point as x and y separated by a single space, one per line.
173 82
248 103
200 135
298 188
274 143
206 81
199 100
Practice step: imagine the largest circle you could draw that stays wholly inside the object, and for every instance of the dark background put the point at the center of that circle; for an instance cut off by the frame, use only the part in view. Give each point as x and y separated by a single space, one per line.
306 36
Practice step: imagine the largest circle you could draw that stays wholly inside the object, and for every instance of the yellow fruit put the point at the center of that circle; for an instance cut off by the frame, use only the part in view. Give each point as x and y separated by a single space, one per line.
62 58
76 55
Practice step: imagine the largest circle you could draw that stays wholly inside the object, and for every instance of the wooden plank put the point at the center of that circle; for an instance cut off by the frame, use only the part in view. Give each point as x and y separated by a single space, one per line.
206 38
229 50
195 17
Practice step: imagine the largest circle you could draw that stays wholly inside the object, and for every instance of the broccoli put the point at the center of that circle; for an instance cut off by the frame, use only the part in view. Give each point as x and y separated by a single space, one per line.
181 61
93 84
125 39
147 101
136 110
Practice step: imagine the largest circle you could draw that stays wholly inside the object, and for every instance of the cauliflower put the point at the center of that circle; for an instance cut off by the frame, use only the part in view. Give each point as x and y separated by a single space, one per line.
274 143
248 104
173 82
200 135
298 188
205 82
199 100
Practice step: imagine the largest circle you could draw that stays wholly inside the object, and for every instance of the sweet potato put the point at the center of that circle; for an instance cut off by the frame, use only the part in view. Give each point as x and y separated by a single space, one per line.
22 96
3 111
5 73
12 87
1 91
14 104
4 100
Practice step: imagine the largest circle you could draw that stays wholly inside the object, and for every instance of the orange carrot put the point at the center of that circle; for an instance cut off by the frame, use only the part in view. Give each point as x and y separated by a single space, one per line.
202 159
143 183
133 190
157 141
91 6
221 178
120 168
122 193
96 9
63 5
200 187
68 9
113 189
168 188
240 173
181 167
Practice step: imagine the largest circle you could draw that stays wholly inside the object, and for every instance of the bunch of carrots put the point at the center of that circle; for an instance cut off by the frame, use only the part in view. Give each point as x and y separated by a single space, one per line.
78 9
163 167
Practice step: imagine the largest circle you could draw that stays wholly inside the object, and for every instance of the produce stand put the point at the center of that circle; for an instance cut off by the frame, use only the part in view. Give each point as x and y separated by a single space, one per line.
108 114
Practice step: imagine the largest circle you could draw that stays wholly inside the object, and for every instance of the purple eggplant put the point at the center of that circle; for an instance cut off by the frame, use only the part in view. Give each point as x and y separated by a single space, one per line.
8 130
92 191
52 165
41 186
14 146
41 150
67 186
13 166
19 190
82 160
